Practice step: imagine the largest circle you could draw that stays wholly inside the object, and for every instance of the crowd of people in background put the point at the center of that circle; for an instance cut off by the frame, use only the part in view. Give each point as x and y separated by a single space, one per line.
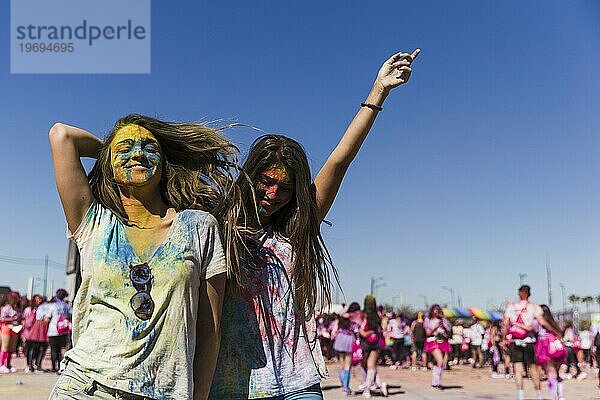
30 326
427 341
528 343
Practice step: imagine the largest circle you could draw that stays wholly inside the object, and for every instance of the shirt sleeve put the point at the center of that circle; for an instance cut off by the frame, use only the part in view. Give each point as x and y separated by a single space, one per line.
213 260
5 312
84 230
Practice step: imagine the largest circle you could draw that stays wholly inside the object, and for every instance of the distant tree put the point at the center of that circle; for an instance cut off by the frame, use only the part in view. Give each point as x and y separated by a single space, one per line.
587 300
574 299
598 301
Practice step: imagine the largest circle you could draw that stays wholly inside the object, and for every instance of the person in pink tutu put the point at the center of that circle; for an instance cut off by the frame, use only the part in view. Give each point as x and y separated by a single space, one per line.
437 329
344 342
550 352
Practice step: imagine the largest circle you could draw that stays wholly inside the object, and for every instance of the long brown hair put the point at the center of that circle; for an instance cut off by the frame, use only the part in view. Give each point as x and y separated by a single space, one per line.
297 221
550 319
198 169
370 309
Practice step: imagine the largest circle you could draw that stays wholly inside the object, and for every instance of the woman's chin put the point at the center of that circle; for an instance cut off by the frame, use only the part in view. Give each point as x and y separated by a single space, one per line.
138 184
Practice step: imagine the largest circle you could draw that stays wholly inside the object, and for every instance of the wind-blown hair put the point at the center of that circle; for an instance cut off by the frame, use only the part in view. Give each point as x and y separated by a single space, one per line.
197 168
298 221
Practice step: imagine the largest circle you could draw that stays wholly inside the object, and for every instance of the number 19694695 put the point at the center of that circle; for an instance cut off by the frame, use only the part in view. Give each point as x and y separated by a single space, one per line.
46 47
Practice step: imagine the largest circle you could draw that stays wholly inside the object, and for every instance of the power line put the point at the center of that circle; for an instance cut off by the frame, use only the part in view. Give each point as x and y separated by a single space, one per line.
31 261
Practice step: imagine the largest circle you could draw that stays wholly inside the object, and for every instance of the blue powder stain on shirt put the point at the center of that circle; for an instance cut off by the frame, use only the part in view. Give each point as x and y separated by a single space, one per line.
150 342
145 353
141 385
117 250
185 217
174 248
136 327
145 383
147 386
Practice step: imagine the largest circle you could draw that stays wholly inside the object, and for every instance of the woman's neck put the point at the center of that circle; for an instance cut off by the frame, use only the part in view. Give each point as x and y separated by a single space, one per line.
144 209
264 220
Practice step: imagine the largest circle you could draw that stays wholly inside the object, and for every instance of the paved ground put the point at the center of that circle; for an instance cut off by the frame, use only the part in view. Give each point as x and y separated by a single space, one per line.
460 383
22 386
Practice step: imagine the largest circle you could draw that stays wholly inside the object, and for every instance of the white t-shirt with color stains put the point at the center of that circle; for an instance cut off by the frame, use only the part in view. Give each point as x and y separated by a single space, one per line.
151 358
266 348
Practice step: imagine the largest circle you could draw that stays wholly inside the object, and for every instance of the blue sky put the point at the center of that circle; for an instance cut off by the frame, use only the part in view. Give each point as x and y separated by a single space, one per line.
483 166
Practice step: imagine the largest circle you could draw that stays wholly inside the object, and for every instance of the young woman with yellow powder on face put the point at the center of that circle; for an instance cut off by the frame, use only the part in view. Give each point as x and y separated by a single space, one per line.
146 318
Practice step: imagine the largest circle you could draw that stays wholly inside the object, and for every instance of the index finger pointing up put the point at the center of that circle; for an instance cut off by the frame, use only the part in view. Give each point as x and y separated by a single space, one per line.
415 53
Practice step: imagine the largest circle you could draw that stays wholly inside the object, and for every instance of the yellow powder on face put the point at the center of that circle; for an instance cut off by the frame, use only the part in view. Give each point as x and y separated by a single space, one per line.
132 131
134 144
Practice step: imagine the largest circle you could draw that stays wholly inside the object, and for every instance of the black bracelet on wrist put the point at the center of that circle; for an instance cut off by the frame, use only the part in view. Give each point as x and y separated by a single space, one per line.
373 107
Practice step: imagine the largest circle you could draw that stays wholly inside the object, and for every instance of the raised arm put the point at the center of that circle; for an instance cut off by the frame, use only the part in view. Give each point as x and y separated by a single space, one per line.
393 73
68 145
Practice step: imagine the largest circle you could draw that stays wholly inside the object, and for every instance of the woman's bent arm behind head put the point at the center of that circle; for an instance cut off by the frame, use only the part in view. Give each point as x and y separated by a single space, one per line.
68 145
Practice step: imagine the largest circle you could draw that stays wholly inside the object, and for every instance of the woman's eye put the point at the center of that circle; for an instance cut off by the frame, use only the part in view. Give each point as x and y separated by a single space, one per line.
121 150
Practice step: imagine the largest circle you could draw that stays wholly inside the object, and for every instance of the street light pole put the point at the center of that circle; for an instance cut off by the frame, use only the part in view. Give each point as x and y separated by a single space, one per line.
522 277
562 290
451 294
375 284
424 300
549 283
46 276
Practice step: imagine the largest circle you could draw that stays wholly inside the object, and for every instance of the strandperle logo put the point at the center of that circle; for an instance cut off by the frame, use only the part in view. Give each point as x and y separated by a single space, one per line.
80 36
85 31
